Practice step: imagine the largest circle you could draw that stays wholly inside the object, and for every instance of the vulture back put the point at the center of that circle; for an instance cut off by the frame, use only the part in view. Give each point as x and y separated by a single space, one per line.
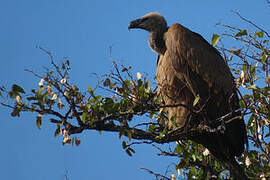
190 68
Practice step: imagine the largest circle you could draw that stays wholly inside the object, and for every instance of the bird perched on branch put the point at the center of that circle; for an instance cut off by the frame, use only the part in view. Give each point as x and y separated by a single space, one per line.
192 73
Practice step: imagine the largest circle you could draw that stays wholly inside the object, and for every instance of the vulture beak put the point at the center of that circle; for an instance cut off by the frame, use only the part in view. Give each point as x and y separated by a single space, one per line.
134 24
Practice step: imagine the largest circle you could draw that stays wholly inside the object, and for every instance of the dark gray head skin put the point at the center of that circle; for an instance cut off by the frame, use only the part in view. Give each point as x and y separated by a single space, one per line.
150 22
156 25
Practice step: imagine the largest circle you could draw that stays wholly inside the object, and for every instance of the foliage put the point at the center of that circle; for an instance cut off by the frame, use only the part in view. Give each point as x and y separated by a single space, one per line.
250 64
129 96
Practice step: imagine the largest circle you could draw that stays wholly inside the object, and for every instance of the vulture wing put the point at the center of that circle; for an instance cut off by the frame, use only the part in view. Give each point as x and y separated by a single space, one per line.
186 48
204 72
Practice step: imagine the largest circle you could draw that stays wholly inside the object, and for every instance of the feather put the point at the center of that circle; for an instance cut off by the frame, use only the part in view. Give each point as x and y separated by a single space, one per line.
192 72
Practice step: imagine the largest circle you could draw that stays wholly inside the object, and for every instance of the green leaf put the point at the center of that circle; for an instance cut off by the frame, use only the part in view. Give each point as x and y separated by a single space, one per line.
128 152
241 33
178 149
265 41
124 145
251 119
39 91
90 90
107 82
244 67
129 135
17 89
126 83
12 95
121 133
39 121
172 119
2 88
152 114
112 85
97 98
255 35
152 128
84 115
77 141
162 134
15 112
40 103
108 101
132 150
215 39
196 100
193 157
242 103
192 170
264 57
252 87
252 70
140 83
116 106
266 89
260 34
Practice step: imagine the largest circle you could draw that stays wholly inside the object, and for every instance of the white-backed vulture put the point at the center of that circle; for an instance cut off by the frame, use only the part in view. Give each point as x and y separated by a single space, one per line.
189 67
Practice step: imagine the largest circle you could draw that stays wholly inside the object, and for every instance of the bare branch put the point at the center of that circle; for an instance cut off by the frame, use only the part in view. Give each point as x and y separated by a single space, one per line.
157 175
250 22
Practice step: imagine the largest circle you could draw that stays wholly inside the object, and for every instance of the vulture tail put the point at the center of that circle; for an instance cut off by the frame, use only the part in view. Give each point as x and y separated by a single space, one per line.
219 146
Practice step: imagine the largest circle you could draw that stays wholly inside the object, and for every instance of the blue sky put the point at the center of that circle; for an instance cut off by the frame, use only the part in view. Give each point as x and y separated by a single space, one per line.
83 30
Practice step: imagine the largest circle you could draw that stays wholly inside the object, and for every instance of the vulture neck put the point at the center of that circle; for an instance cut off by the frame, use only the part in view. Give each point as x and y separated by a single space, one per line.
156 41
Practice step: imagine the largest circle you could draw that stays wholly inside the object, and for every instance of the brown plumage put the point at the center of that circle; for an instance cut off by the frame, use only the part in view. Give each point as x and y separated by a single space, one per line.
189 67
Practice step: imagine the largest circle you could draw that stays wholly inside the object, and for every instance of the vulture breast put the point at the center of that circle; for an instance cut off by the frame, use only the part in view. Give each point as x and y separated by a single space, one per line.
173 91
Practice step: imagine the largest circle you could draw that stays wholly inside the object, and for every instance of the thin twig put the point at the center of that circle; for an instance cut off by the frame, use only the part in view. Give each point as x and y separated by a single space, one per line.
157 175
250 22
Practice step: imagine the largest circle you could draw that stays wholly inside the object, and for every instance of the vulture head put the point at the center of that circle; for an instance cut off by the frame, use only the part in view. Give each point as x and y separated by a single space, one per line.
151 22
156 24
